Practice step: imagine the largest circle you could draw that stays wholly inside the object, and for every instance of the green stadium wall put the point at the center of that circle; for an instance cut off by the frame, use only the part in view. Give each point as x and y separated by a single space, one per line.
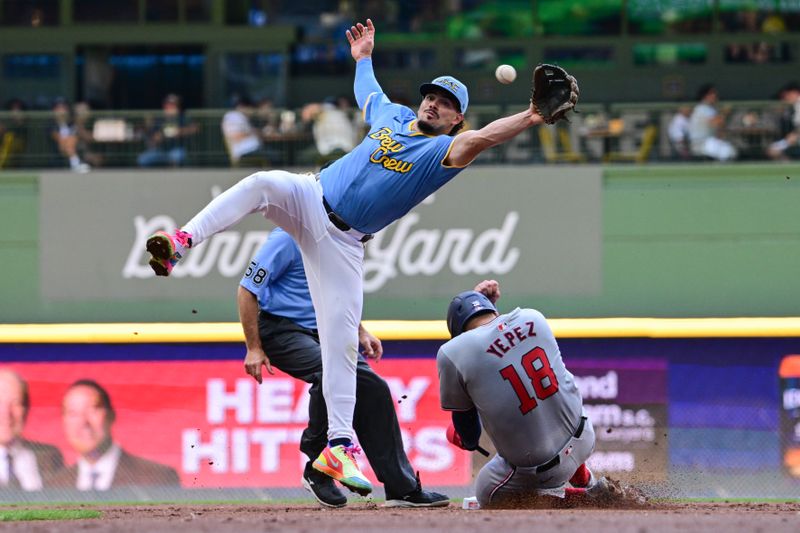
663 241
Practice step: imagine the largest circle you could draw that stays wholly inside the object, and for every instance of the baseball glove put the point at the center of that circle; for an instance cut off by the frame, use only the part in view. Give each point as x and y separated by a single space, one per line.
554 92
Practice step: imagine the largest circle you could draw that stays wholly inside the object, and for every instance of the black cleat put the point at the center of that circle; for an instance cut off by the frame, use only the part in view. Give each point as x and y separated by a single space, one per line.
323 488
417 498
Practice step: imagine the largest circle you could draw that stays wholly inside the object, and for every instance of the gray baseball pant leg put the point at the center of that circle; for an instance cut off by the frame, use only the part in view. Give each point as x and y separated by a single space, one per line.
501 484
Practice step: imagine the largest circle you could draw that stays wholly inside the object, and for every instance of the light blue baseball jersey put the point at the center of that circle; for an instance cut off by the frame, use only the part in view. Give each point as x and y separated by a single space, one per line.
277 277
393 169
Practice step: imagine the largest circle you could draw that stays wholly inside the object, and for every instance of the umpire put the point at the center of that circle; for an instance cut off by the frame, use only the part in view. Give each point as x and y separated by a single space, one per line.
278 319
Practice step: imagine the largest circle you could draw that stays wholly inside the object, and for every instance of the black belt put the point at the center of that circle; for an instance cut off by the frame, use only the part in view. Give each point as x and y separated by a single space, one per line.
338 222
555 461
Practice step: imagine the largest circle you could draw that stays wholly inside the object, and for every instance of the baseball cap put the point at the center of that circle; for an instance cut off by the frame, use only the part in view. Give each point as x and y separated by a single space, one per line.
452 86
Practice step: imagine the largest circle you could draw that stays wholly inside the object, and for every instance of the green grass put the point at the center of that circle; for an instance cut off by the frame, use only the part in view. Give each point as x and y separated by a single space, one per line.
24 515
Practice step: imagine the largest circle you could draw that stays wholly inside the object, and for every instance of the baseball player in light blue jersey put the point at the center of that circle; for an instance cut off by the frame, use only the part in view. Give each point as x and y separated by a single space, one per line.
505 373
403 159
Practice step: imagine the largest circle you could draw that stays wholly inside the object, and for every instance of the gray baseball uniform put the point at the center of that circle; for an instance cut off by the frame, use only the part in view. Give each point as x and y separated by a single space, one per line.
511 371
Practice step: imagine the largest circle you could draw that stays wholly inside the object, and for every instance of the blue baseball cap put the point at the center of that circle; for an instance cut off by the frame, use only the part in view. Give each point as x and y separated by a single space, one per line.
452 86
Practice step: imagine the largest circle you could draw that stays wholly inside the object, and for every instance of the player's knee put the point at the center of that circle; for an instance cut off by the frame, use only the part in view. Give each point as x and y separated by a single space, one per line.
257 180
270 181
484 499
483 487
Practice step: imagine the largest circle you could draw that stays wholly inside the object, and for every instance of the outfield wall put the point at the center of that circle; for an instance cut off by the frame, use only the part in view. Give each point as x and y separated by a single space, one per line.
665 241
682 408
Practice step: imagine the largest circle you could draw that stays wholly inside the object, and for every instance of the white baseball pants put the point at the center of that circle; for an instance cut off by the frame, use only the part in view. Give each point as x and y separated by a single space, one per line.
333 262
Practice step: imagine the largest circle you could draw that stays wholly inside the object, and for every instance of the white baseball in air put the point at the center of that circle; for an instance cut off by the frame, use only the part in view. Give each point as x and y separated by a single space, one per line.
505 74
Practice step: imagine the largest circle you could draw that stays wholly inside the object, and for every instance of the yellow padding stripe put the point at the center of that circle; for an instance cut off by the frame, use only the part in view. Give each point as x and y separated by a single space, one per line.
405 330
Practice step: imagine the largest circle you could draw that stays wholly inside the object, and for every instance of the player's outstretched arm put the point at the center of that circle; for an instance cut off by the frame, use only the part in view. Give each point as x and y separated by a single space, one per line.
466 146
361 39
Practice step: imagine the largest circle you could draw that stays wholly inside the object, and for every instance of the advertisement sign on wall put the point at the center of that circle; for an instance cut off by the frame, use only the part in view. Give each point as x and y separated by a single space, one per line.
457 234
217 427
627 403
717 414
789 373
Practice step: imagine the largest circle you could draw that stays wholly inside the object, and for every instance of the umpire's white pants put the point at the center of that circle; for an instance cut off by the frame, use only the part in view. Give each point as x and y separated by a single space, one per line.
500 483
333 262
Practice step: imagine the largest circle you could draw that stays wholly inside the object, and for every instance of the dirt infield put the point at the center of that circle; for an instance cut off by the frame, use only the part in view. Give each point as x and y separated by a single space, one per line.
363 517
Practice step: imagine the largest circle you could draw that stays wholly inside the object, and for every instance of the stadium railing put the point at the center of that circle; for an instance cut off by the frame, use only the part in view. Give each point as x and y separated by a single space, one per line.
598 133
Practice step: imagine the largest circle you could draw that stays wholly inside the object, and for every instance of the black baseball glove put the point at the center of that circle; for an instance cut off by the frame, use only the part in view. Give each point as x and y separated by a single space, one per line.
554 92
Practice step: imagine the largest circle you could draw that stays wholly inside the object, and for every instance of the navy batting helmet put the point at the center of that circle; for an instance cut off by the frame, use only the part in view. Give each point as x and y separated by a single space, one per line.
465 306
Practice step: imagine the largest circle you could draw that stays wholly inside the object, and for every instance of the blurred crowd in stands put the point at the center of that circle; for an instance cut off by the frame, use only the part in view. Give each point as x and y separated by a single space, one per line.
252 134
37 132
258 134
704 131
